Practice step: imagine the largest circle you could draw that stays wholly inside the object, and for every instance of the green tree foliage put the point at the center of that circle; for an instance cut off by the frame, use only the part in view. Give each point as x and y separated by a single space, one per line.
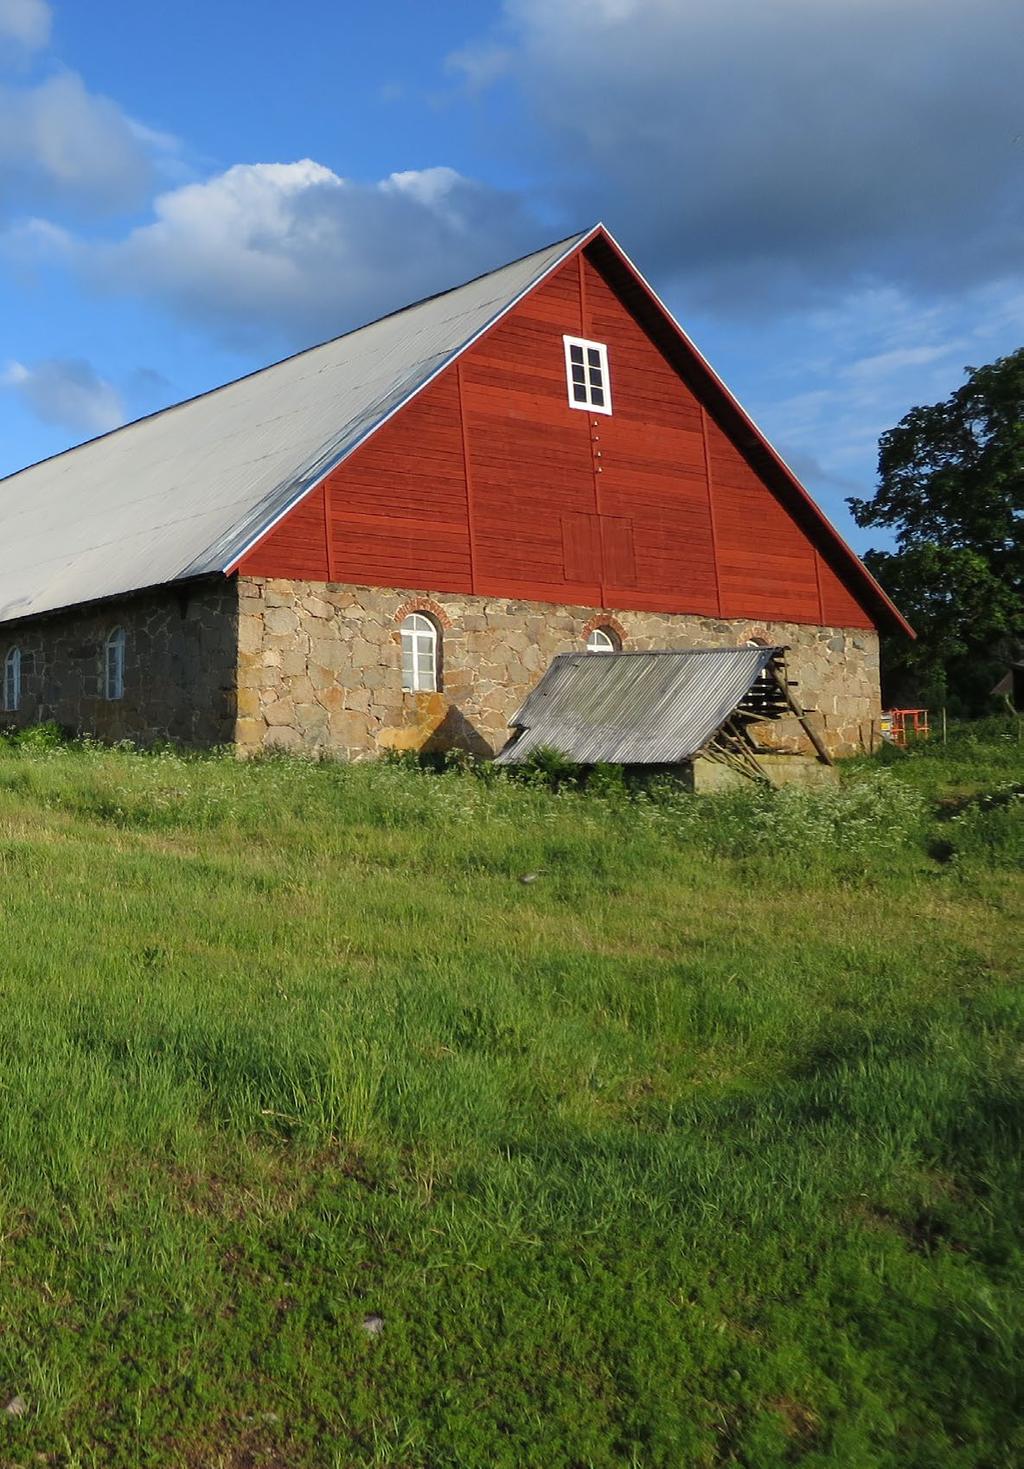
951 486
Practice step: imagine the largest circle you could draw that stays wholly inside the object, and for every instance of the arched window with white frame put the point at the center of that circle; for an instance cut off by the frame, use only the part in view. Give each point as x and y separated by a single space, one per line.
113 665
421 654
603 640
12 680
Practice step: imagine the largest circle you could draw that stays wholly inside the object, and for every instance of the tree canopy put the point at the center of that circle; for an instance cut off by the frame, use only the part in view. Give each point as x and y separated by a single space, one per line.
951 487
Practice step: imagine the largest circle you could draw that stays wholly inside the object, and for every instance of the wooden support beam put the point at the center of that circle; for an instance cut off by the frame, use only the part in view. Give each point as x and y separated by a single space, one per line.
794 704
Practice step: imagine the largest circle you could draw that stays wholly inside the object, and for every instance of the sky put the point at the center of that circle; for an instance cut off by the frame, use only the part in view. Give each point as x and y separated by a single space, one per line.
828 194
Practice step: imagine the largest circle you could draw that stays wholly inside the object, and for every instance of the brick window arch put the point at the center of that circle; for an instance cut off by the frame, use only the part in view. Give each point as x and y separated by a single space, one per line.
612 629
424 604
603 639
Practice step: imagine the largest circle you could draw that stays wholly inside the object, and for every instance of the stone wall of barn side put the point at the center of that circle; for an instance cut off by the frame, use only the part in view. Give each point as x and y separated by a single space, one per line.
320 668
180 667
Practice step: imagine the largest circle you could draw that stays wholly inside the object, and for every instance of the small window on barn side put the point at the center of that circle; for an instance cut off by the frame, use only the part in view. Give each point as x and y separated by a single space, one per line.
586 373
113 665
421 654
12 680
603 640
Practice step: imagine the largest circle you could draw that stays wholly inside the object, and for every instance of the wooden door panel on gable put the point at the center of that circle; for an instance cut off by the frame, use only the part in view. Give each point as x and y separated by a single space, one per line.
618 559
581 548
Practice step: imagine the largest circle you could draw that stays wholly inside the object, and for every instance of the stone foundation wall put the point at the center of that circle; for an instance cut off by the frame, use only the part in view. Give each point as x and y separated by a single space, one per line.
314 667
319 667
179 668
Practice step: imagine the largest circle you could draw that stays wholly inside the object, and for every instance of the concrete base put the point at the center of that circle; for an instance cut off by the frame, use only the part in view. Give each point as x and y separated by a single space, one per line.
710 776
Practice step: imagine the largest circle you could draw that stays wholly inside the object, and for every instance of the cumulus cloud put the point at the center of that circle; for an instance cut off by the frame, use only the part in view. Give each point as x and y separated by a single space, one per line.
828 383
61 144
767 148
67 392
299 249
25 24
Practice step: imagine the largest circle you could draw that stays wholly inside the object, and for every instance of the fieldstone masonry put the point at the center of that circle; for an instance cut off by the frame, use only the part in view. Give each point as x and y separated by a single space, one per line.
271 664
319 667
179 673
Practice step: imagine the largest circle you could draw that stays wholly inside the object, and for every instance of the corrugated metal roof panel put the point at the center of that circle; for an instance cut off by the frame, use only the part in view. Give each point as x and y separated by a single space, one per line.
633 708
186 490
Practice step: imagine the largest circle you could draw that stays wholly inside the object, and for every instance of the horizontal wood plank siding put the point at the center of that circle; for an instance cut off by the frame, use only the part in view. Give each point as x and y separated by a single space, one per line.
397 507
651 462
297 545
765 561
529 453
566 506
840 608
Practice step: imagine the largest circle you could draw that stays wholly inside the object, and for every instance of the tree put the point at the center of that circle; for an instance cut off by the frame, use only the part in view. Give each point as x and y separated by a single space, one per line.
951 486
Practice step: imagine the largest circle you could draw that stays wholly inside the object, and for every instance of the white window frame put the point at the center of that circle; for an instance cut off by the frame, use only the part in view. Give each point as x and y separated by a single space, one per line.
420 636
601 640
113 665
587 405
12 680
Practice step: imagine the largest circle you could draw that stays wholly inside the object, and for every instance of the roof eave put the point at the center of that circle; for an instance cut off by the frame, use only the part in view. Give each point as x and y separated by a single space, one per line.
179 585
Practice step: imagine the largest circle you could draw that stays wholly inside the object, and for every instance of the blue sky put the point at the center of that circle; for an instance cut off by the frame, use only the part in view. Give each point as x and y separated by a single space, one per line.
828 193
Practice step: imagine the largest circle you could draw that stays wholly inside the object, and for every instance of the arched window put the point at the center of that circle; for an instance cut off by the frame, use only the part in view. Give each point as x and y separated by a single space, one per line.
603 640
12 680
113 665
421 654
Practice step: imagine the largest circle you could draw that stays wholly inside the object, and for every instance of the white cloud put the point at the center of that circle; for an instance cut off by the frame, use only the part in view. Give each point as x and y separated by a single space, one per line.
872 355
61 143
67 392
481 64
33 242
883 364
25 23
298 249
761 150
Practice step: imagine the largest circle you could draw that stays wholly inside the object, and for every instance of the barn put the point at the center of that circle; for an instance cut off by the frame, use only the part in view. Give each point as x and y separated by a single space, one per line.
383 542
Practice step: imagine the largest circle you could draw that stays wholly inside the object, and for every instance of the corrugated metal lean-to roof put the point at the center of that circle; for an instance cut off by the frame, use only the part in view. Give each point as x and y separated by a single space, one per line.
655 708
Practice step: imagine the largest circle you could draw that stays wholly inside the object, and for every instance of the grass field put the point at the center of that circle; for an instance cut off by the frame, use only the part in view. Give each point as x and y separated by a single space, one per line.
326 1140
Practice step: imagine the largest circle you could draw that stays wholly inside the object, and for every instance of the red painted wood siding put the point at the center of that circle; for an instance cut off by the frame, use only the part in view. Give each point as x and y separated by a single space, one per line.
651 473
489 482
766 563
840 607
397 507
297 546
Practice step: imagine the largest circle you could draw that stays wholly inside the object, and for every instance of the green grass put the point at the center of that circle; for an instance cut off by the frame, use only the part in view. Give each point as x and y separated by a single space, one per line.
701 1149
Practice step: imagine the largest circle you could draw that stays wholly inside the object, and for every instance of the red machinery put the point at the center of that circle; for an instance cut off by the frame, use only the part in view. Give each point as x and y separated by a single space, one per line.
906 724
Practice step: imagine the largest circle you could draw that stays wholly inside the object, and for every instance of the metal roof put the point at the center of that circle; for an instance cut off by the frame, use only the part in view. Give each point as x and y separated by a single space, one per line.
633 708
186 491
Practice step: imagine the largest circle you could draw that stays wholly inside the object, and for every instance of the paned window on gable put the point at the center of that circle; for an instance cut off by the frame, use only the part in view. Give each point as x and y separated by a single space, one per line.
587 379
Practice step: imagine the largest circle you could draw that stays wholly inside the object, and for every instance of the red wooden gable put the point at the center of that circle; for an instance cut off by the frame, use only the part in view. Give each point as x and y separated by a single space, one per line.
488 482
